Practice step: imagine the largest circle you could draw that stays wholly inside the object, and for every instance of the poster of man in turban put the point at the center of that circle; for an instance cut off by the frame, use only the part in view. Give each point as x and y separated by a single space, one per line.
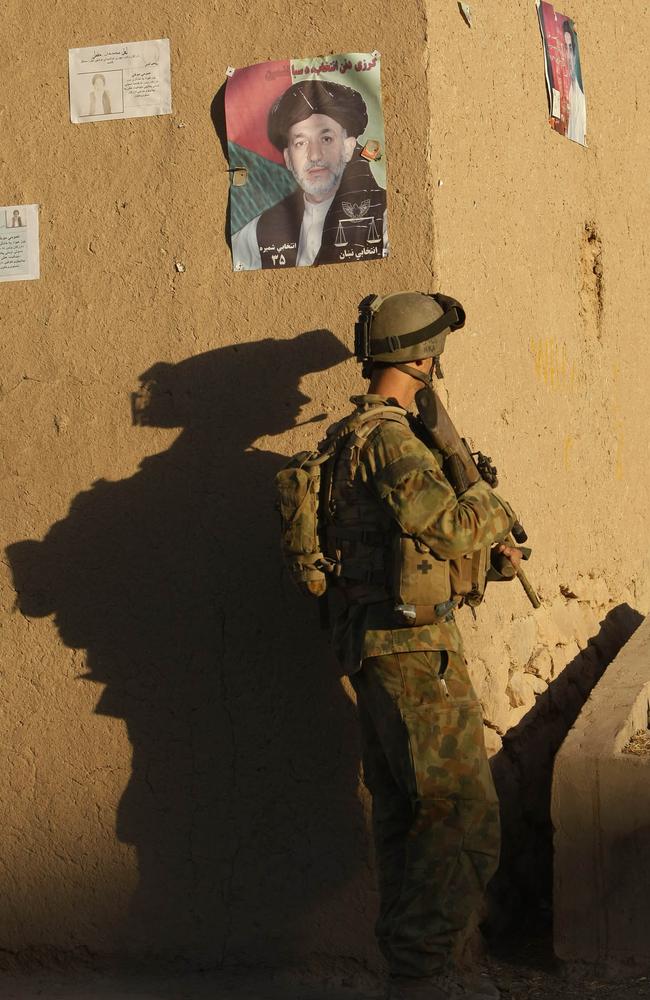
564 84
306 154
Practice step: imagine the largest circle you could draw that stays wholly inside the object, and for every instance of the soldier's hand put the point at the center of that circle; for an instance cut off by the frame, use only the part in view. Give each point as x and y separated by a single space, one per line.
514 555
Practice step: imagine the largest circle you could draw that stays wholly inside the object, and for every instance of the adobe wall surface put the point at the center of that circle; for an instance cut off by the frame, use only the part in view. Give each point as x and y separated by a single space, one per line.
180 772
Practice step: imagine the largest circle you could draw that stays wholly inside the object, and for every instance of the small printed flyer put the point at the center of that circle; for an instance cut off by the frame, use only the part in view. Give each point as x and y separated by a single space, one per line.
19 253
123 80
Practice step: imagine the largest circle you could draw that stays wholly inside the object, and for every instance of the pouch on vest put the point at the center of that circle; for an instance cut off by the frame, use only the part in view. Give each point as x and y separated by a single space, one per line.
468 576
419 578
299 487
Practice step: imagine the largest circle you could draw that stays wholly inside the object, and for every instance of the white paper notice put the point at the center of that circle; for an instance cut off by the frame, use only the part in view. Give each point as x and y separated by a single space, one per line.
130 80
19 259
556 105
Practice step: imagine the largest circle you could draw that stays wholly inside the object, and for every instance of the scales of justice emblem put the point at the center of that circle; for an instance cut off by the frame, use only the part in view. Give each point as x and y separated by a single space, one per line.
356 215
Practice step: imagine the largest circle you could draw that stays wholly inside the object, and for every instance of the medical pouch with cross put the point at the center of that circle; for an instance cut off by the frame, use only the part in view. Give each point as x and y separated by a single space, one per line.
421 585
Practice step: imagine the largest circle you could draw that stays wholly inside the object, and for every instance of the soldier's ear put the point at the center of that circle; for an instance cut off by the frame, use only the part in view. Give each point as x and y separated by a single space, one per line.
349 146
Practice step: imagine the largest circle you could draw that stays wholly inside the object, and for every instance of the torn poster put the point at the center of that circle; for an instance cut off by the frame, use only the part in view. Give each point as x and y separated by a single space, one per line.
566 92
307 158
122 80
19 252
466 11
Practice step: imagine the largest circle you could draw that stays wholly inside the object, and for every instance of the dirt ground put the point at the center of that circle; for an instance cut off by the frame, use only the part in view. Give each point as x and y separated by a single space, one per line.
517 982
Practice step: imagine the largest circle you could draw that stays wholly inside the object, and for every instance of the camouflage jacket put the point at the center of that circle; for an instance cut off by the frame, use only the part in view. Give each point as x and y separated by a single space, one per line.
396 478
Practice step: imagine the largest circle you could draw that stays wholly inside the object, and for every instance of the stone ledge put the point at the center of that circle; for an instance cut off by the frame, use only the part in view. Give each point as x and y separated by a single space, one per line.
601 817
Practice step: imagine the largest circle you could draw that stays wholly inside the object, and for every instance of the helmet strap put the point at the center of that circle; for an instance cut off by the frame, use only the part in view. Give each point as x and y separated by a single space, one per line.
427 378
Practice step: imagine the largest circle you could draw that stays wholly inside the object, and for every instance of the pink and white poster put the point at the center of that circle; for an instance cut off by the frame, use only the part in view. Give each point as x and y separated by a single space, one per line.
308 163
566 93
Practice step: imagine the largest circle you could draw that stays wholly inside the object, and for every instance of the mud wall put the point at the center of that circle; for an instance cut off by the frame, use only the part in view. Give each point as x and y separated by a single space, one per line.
179 758
546 243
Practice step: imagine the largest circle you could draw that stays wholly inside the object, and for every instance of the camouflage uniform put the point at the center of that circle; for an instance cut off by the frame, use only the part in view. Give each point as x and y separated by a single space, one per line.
435 811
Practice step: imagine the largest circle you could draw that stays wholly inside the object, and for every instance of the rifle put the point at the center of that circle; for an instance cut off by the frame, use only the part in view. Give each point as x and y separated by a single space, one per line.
463 468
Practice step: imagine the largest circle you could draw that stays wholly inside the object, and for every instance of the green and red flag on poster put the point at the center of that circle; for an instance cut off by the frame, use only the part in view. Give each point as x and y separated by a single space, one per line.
307 158
566 92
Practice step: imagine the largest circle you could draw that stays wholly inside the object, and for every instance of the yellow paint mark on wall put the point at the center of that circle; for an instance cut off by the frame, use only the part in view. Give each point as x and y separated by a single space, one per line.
552 365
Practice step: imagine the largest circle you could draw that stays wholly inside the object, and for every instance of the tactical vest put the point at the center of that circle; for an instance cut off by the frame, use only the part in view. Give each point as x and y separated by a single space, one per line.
376 563
334 531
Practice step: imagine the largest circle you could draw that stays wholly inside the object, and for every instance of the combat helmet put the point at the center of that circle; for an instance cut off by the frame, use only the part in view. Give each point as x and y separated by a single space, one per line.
405 326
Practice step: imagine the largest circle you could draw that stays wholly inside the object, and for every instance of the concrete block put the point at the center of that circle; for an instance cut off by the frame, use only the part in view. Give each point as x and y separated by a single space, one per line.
601 816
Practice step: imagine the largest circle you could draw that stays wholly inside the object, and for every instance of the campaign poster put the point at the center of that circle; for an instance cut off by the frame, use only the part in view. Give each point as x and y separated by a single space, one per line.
308 163
122 80
19 246
566 92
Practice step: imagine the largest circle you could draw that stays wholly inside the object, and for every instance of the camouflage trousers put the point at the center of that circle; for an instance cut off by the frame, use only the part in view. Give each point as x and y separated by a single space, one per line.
435 810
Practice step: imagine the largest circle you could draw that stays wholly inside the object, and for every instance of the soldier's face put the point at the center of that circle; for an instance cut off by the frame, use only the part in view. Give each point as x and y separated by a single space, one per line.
317 153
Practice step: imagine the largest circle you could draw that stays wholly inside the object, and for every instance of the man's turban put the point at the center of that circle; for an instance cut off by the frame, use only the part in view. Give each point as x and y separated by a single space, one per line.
313 97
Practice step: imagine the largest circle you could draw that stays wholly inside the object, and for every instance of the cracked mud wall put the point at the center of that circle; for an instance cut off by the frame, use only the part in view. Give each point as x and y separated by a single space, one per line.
179 760
546 244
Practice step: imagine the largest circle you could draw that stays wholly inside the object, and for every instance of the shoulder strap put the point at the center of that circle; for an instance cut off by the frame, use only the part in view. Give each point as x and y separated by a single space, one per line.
356 420
372 421
354 424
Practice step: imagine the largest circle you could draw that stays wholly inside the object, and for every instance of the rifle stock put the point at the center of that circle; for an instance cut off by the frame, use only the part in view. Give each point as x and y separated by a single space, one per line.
460 467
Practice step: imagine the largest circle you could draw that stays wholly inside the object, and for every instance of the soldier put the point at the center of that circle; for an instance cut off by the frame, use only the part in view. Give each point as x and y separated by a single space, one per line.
402 540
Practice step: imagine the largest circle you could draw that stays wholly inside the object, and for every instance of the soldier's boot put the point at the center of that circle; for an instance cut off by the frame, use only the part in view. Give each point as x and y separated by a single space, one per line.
440 987
476 986
468 986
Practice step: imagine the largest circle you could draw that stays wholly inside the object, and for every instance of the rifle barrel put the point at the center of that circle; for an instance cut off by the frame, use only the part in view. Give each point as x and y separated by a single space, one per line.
525 582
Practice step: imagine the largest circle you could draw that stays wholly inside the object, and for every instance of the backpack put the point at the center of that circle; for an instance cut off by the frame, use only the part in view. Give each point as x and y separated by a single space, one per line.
303 485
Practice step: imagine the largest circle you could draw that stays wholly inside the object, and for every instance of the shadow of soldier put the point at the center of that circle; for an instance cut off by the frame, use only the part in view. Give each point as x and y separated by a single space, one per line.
521 893
242 800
